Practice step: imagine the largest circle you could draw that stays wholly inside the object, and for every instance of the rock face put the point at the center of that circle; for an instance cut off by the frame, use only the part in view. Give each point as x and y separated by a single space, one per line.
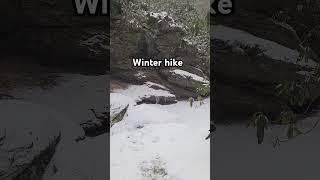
153 35
249 63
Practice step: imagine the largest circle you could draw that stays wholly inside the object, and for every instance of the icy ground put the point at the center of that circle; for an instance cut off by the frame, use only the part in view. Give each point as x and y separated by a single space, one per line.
160 142
44 113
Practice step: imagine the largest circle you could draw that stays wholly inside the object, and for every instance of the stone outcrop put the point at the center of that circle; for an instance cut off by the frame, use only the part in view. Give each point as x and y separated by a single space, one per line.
185 80
153 35
162 100
252 54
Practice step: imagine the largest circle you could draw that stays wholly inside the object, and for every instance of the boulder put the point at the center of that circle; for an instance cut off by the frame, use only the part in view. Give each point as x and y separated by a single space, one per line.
249 63
187 81
150 35
162 100
156 35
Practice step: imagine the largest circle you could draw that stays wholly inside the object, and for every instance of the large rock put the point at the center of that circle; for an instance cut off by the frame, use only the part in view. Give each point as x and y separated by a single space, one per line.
155 35
162 100
151 35
186 80
140 38
249 63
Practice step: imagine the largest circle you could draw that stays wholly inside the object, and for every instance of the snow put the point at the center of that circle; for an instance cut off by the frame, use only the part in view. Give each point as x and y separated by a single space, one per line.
149 84
160 15
74 96
27 124
47 112
163 142
166 139
119 102
140 75
120 98
269 48
85 160
187 74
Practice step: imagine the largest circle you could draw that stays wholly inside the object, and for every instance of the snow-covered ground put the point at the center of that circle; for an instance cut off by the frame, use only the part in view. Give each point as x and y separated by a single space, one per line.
74 96
153 141
84 160
238 156
120 98
162 142
27 129
44 113
87 159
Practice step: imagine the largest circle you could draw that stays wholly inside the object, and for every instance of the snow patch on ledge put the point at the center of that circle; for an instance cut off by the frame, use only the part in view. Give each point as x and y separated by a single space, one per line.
164 16
269 48
149 84
187 74
160 15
